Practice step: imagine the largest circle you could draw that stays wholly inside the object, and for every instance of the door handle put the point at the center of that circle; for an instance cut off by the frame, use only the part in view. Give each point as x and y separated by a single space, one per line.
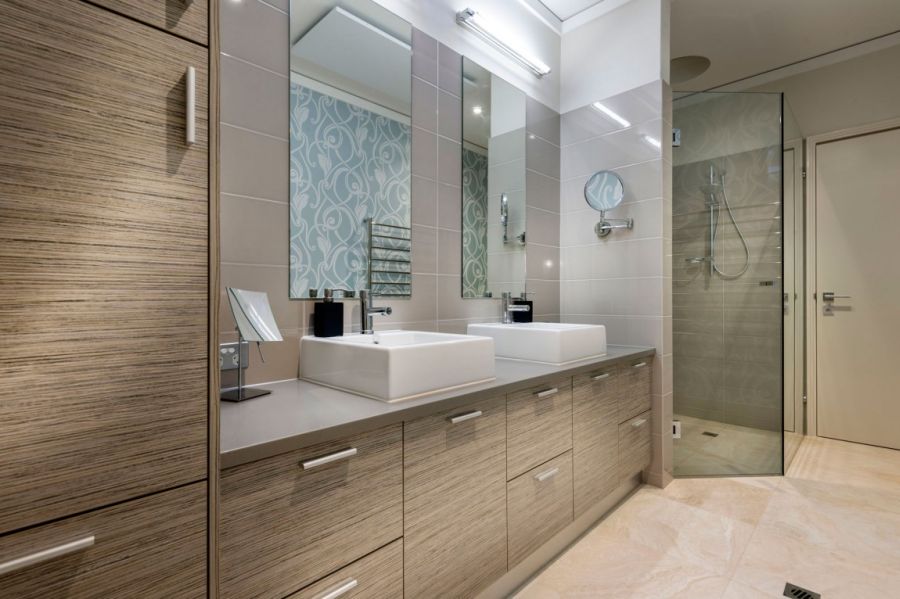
829 296
190 106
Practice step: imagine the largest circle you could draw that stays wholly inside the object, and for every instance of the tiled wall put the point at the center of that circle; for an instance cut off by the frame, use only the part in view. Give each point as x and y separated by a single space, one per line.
727 332
623 281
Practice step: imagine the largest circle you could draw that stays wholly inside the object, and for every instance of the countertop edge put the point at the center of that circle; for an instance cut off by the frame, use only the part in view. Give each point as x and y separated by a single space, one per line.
253 453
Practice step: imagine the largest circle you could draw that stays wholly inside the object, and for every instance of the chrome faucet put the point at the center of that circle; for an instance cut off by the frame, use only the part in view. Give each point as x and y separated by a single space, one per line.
508 308
367 311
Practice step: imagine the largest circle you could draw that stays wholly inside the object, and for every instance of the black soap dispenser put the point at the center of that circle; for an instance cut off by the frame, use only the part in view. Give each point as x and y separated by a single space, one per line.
523 316
328 316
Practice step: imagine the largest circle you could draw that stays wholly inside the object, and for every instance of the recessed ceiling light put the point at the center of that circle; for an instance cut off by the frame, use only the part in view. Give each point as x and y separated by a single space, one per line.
476 110
685 68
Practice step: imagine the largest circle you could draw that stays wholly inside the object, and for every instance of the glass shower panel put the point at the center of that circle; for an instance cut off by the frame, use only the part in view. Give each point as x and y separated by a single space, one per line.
727 245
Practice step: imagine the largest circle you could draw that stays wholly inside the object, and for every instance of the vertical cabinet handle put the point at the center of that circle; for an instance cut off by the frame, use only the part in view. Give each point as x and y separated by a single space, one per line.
547 392
546 475
190 106
338 590
46 555
463 417
327 459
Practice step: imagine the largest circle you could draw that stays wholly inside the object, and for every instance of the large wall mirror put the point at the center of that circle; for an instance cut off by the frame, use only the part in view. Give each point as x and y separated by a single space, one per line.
493 182
350 148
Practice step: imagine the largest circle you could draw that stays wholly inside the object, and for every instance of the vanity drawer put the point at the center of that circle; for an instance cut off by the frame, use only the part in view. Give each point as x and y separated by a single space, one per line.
181 17
288 520
539 425
595 436
634 445
379 575
634 388
539 505
454 505
149 547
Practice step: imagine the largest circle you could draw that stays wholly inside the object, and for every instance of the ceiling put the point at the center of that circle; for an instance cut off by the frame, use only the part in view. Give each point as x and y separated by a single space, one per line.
744 38
565 9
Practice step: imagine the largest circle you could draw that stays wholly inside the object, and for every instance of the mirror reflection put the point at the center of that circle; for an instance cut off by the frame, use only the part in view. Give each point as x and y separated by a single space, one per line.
350 148
493 182
604 191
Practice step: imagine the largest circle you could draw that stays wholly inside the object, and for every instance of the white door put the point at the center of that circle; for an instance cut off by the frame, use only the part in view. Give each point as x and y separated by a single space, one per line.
857 203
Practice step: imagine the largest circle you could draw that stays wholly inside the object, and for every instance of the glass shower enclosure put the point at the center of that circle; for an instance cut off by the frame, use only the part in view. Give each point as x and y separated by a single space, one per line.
729 302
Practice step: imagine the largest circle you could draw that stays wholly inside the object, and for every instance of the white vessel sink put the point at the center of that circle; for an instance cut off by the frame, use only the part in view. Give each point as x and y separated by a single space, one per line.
546 342
397 365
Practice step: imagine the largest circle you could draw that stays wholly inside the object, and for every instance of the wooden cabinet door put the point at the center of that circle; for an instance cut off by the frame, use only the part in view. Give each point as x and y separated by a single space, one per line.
595 436
539 425
455 501
187 18
103 250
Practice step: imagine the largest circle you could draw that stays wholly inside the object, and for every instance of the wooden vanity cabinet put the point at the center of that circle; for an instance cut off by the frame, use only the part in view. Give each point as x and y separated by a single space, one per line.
595 436
539 424
378 575
455 500
289 520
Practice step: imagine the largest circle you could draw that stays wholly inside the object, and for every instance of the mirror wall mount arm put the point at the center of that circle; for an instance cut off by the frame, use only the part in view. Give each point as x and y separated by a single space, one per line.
476 23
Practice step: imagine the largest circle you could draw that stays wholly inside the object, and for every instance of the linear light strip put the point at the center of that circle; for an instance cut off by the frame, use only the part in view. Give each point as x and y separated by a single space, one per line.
471 20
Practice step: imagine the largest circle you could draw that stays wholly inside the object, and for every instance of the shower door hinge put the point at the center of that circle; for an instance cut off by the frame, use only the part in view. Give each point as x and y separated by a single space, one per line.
804 398
803 172
676 429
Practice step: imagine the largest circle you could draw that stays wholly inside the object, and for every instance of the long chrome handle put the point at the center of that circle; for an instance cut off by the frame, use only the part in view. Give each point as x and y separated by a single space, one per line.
46 555
639 365
190 106
327 459
829 296
600 377
638 423
340 589
546 475
463 417
547 392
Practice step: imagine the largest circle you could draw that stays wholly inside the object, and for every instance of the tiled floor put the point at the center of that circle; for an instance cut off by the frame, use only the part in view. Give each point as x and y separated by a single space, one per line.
831 525
736 450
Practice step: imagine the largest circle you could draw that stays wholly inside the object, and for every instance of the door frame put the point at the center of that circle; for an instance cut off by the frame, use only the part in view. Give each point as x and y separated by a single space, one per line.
812 304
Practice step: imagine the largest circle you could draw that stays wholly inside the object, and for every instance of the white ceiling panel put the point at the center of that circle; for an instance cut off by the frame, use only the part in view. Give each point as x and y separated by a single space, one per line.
564 9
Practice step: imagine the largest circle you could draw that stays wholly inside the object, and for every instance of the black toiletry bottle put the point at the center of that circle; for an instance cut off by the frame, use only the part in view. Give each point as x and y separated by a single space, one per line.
523 316
328 317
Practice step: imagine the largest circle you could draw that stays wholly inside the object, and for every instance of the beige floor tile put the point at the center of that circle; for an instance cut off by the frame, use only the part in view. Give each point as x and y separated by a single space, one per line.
831 525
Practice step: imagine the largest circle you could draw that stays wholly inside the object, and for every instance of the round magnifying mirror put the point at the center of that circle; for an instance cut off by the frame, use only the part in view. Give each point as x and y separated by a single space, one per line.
604 191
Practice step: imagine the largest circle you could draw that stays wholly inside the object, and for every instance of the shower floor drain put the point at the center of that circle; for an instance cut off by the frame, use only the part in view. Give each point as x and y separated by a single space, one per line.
709 434
795 592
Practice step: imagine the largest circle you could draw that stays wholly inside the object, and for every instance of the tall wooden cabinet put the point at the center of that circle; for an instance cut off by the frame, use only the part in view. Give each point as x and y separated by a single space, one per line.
104 237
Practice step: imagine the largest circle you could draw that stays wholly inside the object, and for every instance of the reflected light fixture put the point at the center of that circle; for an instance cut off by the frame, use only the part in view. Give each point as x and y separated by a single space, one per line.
652 141
611 114
476 110
476 23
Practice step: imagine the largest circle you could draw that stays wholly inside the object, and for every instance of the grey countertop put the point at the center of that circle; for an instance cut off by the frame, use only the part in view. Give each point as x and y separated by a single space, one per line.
299 413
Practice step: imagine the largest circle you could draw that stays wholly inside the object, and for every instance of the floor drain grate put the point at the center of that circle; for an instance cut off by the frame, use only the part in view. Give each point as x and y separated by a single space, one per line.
709 434
792 590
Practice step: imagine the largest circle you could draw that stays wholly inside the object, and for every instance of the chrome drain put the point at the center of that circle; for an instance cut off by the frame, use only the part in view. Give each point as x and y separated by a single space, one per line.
709 434
792 590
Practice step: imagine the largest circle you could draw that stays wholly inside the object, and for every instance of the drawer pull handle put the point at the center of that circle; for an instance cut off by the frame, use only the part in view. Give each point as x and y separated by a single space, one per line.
600 377
463 417
46 555
638 423
190 124
547 392
546 475
336 591
639 365
327 459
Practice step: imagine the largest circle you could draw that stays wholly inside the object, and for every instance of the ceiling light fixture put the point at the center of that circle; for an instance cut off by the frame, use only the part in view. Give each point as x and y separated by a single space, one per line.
473 21
611 114
477 110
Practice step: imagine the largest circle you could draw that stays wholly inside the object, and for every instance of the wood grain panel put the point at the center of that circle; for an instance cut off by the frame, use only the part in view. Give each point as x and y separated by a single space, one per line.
634 446
595 436
538 428
379 575
149 547
187 18
103 249
283 527
538 509
455 502
634 388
